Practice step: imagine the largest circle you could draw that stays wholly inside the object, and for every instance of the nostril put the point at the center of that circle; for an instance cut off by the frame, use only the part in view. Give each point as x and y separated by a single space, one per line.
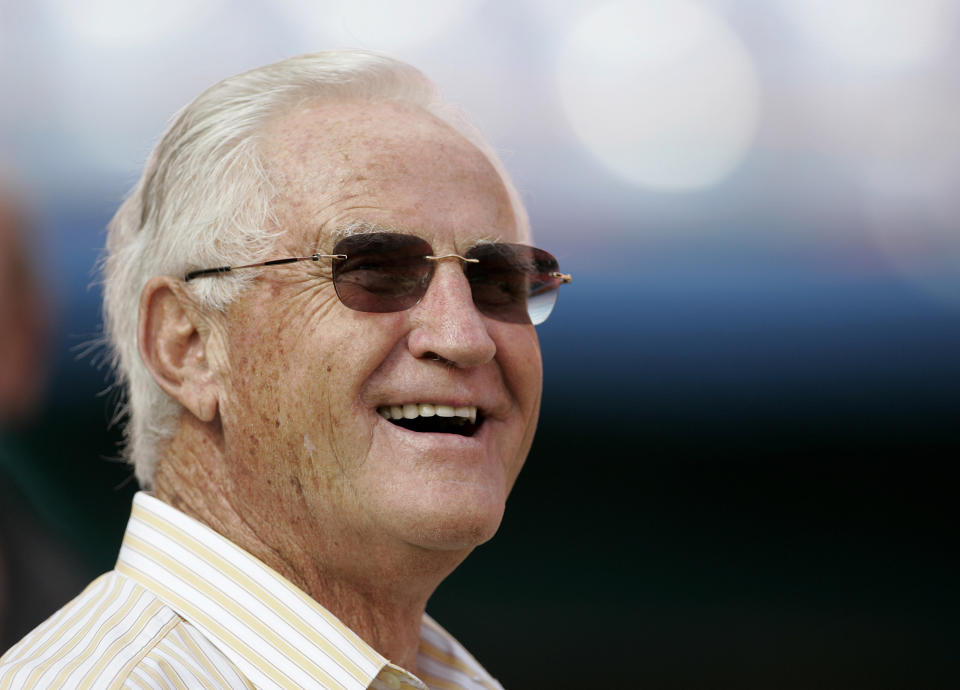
437 358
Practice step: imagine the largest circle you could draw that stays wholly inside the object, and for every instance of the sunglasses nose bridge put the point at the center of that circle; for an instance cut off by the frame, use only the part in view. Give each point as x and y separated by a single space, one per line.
435 260
444 257
459 277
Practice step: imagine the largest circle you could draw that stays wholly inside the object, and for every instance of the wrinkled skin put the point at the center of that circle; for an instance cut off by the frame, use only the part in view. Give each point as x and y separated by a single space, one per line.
296 465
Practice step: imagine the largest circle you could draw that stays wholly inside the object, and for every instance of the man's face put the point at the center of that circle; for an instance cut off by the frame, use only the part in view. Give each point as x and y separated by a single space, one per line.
306 378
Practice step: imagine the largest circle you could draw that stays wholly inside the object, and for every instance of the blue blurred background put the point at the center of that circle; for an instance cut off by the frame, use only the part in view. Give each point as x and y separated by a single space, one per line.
742 477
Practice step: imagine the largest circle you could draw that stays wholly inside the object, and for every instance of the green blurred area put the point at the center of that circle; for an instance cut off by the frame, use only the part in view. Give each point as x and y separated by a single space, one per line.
65 464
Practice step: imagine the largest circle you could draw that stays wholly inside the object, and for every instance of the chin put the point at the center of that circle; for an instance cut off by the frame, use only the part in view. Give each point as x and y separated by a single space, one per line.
451 504
455 526
458 536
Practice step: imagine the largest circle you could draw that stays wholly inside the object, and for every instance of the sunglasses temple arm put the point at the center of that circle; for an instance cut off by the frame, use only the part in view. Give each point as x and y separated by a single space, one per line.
273 262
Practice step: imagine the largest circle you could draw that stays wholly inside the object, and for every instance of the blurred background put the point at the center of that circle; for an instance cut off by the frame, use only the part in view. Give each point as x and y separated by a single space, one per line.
742 476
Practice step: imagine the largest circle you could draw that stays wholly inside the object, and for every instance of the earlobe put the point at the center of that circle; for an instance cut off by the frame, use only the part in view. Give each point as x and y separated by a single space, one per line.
173 346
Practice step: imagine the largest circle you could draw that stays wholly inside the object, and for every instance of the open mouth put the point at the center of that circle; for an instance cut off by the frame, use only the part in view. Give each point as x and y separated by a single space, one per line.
434 419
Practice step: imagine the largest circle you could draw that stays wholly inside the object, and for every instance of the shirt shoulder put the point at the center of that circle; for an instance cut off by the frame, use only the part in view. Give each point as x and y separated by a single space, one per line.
116 635
445 663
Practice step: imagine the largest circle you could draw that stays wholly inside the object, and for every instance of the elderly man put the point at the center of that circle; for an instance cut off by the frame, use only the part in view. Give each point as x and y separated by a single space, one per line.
321 302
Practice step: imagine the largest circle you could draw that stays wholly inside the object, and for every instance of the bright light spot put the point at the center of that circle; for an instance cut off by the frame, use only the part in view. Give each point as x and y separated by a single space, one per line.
878 33
377 24
661 91
128 23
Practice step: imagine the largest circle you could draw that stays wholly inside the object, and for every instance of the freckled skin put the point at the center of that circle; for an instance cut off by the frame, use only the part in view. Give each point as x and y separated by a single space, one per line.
304 472
418 175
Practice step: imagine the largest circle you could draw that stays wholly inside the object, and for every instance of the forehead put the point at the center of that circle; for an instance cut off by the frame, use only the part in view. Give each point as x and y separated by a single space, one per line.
386 164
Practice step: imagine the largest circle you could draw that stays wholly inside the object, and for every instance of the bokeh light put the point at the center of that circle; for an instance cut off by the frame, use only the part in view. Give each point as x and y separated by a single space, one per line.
661 91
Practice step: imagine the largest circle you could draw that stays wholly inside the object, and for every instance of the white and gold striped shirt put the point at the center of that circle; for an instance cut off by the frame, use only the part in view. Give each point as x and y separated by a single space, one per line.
186 608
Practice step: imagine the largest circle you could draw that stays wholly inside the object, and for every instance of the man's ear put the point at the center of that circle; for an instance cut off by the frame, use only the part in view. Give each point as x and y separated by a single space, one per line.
174 345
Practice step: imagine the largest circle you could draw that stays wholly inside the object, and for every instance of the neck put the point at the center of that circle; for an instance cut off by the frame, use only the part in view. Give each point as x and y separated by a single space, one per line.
378 590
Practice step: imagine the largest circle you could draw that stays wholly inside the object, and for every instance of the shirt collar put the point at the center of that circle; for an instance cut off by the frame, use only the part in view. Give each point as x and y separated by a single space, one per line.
271 630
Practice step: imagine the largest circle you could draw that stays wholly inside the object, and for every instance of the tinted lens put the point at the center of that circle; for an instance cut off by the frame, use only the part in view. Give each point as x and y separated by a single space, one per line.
513 282
383 271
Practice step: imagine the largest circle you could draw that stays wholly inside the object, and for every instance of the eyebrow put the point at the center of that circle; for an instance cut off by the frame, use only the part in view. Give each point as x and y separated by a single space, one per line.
363 227
360 227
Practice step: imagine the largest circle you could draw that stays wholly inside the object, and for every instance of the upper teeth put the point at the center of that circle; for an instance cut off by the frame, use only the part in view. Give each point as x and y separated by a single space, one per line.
414 410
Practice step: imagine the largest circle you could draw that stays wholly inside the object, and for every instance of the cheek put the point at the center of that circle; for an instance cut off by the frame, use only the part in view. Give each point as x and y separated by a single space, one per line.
300 390
518 351
522 369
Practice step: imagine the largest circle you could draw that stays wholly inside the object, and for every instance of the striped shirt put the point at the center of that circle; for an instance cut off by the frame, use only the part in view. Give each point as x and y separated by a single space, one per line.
186 608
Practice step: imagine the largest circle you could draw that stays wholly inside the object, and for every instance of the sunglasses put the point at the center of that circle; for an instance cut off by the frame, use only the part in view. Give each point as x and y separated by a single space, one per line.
385 272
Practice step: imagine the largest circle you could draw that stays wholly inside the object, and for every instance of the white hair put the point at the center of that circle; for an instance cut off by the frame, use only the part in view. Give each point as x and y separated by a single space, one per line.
204 200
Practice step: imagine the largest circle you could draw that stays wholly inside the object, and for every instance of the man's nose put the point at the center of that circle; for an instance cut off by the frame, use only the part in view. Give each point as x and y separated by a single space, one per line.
446 323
